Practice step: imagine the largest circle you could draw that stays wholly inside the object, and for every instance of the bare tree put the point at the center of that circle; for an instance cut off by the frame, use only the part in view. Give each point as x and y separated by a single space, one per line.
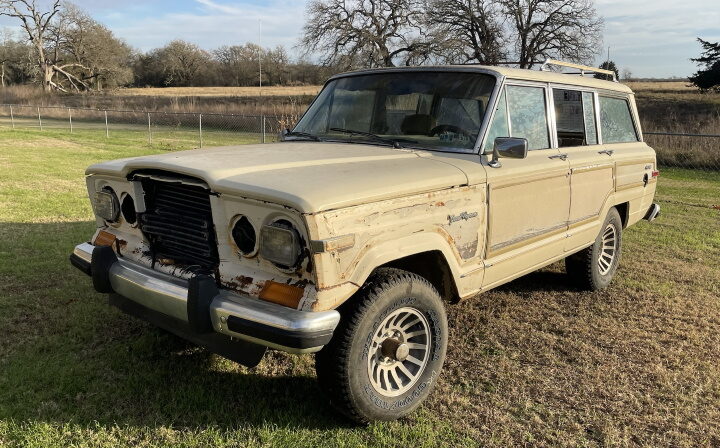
99 56
369 33
36 24
469 30
181 62
626 75
239 63
13 59
71 50
565 29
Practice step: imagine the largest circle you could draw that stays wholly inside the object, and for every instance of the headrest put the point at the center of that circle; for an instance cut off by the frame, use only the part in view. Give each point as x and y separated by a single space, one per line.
417 124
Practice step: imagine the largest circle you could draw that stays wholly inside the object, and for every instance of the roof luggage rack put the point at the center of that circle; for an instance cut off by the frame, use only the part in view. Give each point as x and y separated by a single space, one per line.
583 68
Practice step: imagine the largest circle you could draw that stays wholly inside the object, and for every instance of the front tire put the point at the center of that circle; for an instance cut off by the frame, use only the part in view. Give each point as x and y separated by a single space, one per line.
593 268
388 350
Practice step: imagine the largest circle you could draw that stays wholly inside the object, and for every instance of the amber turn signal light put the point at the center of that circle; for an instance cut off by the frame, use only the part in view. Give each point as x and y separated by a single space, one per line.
282 294
104 238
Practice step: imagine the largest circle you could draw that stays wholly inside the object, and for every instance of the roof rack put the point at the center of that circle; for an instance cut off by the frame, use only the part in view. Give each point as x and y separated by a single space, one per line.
583 68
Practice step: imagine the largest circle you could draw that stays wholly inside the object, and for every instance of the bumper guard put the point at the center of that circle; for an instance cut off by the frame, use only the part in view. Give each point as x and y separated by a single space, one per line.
230 314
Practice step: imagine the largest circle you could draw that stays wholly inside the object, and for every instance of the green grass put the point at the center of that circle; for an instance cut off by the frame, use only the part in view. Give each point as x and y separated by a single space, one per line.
533 362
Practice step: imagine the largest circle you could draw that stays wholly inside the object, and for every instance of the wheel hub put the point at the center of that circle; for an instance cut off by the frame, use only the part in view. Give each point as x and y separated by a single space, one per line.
394 349
399 351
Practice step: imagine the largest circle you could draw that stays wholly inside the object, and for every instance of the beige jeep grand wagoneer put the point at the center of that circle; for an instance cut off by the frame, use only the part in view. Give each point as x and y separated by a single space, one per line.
399 191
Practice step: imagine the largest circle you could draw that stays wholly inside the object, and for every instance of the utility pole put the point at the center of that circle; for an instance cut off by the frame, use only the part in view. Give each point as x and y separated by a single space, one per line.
260 54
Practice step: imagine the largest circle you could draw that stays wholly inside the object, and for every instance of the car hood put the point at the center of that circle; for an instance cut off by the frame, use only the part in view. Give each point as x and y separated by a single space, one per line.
308 176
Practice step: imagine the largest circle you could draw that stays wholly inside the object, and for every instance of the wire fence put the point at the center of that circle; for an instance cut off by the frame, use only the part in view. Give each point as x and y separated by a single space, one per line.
173 130
686 150
182 130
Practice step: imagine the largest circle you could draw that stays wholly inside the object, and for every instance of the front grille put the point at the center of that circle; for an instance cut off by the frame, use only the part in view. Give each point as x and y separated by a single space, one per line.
178 223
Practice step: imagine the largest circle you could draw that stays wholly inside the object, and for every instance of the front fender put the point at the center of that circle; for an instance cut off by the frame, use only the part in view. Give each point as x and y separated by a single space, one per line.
450 221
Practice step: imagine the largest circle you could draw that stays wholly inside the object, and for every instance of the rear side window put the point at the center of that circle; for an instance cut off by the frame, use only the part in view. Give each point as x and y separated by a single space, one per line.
574 117
589 111
615 121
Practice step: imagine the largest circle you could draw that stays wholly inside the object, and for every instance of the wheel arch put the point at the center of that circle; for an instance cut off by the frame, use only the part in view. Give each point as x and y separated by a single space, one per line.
624 210
433 267
411 253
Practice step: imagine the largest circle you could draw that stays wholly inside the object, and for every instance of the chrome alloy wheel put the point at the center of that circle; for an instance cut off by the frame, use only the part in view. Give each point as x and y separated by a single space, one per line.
399 351
608 250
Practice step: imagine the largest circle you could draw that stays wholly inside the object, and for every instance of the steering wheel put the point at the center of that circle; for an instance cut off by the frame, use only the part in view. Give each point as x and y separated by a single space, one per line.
449 128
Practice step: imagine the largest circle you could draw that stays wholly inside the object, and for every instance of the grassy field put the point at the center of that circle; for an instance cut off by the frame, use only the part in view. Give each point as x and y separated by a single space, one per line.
533 362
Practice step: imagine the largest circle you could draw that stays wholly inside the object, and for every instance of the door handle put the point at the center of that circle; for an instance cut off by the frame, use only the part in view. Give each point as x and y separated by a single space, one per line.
606 151
559 156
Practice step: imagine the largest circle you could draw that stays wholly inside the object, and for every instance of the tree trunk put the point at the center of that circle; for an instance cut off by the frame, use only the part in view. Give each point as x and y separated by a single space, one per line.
48 73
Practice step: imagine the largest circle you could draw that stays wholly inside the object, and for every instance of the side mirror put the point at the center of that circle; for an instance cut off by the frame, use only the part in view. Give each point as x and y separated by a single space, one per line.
283 133
510 147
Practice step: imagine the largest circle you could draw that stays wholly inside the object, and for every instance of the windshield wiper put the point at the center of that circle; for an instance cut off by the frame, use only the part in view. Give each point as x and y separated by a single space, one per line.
395 142
302 134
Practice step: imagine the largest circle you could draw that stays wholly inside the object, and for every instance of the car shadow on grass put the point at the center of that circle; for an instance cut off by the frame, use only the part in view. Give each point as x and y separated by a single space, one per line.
551 279
69 357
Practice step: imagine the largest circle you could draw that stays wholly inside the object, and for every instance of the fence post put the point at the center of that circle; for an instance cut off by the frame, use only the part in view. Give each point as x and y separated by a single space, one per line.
39 119
12 118
262 127
107 131
70 115
200 128
149 130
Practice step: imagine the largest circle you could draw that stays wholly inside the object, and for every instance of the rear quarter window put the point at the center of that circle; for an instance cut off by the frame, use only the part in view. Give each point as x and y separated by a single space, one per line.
616 122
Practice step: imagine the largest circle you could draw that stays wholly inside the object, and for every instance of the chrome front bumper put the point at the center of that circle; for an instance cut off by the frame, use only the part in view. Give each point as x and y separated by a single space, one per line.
231 314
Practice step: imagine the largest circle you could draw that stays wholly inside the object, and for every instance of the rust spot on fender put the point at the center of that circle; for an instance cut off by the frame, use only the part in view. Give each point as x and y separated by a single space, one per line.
244 284
468 250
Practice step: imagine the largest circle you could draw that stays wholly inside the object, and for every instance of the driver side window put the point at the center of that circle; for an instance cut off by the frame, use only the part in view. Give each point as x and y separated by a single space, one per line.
520 112
499 125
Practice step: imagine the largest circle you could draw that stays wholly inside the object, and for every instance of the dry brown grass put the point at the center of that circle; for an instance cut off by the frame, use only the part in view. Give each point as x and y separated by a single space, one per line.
220 91
661 86
668 106
678 107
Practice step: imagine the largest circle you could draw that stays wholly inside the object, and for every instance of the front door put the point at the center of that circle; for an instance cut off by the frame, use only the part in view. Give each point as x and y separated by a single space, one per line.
528 199
591 168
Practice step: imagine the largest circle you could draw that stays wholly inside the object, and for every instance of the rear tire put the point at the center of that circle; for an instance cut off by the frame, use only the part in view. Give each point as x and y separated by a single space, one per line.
594 267
388 349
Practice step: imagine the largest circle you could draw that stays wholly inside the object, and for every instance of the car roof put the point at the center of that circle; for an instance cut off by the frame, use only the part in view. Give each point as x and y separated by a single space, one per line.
507 72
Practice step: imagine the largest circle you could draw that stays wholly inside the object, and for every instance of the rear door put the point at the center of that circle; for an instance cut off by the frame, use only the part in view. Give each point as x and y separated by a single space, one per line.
528 199
591 168
635 165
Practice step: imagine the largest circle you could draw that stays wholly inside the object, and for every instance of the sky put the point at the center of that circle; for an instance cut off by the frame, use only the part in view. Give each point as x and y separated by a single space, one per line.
651 38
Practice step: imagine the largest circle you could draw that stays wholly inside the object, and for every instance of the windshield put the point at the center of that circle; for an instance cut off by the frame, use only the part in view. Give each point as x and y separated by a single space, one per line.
429 110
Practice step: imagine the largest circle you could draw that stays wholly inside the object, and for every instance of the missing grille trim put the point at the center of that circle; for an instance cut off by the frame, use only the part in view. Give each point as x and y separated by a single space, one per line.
177 222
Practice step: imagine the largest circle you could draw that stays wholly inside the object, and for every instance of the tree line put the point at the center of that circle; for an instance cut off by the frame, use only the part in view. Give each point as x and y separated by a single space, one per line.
63 48
381 33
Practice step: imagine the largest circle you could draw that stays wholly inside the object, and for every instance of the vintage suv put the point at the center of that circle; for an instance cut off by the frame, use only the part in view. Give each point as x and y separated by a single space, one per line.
398 191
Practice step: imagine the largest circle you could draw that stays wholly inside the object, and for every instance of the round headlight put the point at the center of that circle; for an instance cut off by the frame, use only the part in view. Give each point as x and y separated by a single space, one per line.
243 234
128 209
107 205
